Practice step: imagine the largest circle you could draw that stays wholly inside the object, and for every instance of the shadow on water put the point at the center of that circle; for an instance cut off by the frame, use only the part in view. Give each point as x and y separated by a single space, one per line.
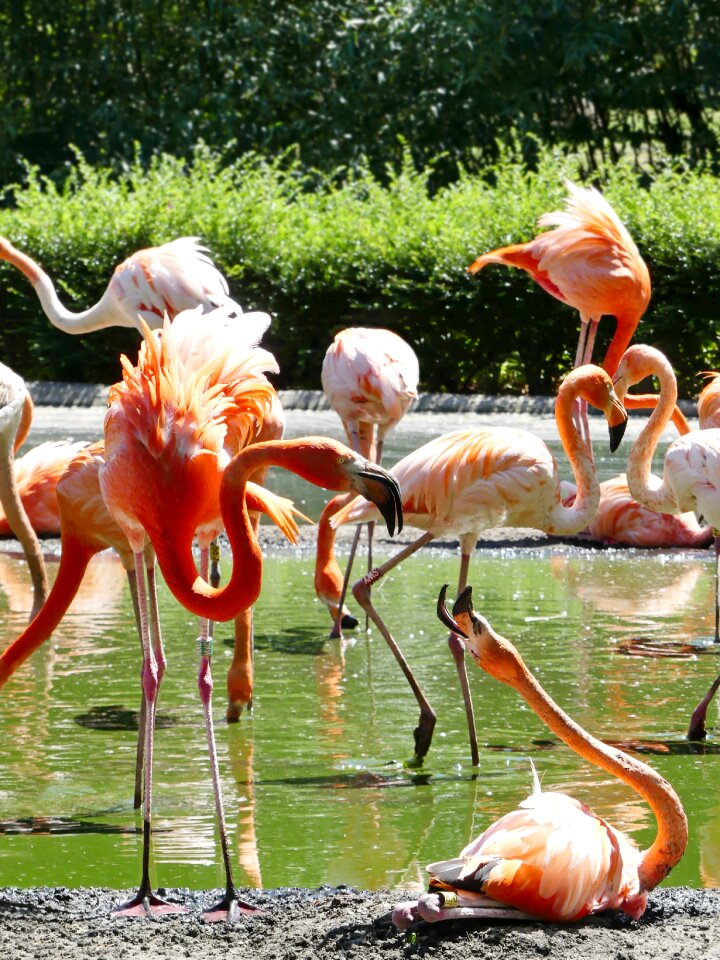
675 748
117 717
45 826
295 640
367 779
681 650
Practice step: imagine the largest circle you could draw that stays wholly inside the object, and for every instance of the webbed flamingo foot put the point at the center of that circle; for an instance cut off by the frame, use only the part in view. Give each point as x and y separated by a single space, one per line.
146 904
230 909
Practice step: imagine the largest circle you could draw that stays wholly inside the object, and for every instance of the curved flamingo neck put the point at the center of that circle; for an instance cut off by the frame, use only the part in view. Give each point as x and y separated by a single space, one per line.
572 519
25 421
649 401
671 840
73 562
95 318
175 556
650 490
328 574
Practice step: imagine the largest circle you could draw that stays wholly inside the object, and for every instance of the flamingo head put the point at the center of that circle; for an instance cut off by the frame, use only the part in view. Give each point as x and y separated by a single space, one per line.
594 385
491 652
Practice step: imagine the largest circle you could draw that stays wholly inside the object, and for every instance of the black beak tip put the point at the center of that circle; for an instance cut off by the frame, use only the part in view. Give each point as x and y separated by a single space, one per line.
616 434
463 604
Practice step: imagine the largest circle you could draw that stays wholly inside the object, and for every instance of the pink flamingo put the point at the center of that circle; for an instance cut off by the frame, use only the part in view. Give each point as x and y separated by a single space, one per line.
150 284
464 482
370 378
36 477
552 858
590 262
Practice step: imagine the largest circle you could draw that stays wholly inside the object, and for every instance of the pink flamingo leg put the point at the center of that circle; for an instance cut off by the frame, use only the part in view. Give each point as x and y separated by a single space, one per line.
145 903
231 907
361 591
457 648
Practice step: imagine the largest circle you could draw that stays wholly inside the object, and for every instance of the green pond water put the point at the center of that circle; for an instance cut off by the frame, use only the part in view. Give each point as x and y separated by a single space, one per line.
315 787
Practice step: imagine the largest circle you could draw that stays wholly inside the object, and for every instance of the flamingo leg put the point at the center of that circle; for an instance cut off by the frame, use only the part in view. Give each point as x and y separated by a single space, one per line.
336 631
371 525
230 907
697 730
357 445
145 903
361 591
140 751
583 355
457 648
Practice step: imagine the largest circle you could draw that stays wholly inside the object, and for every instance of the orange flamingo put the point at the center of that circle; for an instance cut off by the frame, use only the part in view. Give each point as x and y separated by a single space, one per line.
590 262
552 858
709 401
36 476
15 419
86 528
165 480
464 482
151 283
691 474
370 378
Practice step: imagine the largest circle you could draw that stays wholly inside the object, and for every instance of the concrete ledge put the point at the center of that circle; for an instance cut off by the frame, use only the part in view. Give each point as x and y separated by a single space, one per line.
51 393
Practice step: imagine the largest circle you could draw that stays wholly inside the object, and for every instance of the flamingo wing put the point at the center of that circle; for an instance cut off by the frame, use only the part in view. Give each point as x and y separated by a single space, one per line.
166 280
552 858
692 470
470 480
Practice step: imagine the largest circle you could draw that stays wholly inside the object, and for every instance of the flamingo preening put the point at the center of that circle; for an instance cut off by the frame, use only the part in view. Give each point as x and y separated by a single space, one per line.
464 482
370 378
590 262
552 858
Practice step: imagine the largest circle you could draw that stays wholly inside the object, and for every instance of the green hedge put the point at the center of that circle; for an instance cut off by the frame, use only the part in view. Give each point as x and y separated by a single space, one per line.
321 253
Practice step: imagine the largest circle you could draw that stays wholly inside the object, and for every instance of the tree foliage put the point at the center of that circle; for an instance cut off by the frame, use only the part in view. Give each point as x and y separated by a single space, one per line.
341 81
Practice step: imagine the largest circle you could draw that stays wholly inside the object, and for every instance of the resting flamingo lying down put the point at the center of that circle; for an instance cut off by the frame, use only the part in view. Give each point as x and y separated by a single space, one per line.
552 858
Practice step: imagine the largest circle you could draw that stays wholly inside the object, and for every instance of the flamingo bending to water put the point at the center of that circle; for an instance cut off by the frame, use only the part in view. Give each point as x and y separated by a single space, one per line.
370 378
464 482
552 858
168 477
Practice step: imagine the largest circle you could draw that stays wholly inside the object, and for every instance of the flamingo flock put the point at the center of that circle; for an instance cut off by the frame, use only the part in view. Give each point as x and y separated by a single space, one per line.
192 427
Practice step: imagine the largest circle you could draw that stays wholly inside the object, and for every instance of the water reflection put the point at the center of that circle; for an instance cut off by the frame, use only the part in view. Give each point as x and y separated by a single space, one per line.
314 782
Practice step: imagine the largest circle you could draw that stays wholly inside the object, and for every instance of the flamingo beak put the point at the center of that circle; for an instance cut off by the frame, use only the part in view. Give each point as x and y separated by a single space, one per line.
460 606
382 489
617 420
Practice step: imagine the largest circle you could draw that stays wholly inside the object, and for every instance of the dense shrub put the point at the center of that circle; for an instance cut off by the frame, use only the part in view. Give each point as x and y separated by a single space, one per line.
323 253
343 80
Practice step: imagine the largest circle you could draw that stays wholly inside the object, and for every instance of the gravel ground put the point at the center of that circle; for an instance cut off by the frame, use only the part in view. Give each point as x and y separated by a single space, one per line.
338 922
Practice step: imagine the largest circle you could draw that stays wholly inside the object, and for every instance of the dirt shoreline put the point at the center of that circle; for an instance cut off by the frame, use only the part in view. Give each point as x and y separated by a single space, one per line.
63 924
